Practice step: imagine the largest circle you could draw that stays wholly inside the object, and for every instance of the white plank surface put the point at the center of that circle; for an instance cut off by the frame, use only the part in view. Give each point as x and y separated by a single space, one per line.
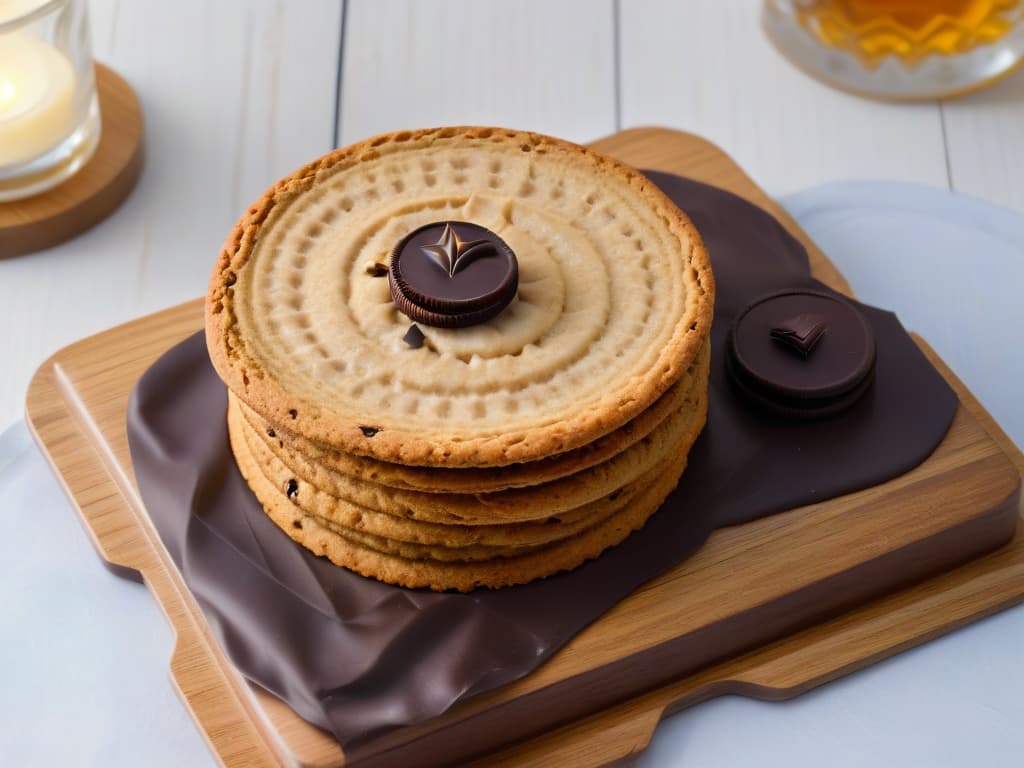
547 66
985 141
706 67
235 95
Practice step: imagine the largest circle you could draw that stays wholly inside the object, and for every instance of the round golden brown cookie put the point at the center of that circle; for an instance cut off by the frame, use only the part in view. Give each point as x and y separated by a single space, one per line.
614 300
462 576
467 554
252 456
475 553
489 479
515 505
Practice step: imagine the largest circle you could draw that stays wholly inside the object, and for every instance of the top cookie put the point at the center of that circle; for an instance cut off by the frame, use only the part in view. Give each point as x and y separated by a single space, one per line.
614 300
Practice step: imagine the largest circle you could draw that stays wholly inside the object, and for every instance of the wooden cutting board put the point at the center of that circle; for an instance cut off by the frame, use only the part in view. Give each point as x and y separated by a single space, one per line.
797 594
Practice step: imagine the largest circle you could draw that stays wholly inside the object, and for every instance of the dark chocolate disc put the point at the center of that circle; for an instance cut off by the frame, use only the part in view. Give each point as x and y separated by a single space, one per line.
452 274
802 353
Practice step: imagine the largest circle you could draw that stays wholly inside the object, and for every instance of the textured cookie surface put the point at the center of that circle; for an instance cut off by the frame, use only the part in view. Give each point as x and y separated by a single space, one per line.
454 532
489 479
253 456
529 515
614 302
439 575
515 505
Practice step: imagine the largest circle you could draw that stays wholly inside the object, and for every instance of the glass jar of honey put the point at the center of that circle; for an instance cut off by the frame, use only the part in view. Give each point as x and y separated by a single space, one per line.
900 49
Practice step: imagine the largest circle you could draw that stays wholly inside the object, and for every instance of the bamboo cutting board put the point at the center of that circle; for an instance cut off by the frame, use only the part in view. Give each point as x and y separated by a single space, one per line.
784 629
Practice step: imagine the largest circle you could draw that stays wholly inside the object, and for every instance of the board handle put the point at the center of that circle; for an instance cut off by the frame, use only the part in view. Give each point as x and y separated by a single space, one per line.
111 515
54 420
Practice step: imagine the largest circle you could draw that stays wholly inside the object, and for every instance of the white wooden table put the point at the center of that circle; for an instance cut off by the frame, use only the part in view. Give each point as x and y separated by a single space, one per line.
236 94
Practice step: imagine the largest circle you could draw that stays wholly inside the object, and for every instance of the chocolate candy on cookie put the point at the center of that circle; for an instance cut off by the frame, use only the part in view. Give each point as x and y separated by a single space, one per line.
480 355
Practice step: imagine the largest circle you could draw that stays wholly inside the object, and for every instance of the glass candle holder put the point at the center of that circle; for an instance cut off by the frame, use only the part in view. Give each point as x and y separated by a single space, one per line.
49 113
900 49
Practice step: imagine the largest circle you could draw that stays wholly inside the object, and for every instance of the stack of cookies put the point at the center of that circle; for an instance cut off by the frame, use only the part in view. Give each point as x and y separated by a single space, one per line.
462 357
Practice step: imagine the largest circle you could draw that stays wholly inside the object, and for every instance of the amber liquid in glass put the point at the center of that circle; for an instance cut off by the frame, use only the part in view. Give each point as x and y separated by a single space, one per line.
907 29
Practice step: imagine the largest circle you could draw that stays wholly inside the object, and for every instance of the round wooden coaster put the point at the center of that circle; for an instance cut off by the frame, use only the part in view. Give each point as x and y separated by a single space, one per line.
94 192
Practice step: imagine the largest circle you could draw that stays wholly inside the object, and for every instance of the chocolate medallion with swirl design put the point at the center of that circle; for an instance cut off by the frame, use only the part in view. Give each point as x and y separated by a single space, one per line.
452 274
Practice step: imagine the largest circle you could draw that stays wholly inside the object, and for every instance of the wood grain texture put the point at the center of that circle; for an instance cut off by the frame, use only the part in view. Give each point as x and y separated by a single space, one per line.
958 503
546 66
235 96
93 193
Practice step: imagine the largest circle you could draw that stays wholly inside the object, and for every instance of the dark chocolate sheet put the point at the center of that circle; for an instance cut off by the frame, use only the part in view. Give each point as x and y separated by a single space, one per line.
359 657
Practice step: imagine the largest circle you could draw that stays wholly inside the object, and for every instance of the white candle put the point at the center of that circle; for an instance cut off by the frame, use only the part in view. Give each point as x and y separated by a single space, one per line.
15 9
37 87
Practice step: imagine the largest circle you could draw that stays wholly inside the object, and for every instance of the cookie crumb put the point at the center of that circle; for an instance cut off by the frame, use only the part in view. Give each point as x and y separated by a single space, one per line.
414 337
375 268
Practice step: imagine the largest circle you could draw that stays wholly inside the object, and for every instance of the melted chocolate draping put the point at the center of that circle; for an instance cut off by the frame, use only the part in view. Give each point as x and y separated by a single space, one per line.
361 658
